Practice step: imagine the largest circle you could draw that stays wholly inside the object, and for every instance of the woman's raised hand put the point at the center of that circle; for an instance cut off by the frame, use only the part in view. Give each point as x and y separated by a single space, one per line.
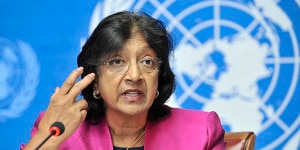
64 108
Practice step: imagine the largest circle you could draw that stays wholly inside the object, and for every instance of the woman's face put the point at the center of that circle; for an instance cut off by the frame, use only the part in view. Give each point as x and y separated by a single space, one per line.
132 91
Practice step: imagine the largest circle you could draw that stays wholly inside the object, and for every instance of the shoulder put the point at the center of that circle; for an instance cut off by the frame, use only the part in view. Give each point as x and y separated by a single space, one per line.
194 119
189 118
206 125
188 129
197 115
184 111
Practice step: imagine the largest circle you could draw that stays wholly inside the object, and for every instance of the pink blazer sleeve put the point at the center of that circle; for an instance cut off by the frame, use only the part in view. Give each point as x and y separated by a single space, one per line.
34 129
87 137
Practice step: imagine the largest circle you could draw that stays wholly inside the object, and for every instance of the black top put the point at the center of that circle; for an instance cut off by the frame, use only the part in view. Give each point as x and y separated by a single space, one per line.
132 148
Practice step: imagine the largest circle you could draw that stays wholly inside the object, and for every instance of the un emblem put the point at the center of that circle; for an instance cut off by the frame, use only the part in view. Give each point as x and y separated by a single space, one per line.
240 66
239 58
19 78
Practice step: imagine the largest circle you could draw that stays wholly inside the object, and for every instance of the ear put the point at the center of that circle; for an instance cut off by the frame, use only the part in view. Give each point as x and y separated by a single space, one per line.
95 88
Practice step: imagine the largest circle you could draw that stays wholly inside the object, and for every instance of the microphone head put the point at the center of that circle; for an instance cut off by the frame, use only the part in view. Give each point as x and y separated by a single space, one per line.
57 128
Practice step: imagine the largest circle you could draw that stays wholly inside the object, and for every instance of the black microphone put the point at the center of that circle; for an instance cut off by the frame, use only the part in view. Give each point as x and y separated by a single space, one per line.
56 129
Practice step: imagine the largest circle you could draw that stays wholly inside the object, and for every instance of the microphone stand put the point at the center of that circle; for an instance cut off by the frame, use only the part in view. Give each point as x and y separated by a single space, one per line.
56 129
46 139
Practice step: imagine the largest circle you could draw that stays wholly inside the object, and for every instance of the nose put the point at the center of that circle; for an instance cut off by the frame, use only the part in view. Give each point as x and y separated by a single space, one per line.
134 73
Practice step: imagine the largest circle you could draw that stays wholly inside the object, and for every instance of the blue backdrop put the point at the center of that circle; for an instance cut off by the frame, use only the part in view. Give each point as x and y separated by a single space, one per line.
239 58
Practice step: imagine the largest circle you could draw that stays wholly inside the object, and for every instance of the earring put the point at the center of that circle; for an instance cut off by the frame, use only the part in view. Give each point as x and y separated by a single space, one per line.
157 93
96 96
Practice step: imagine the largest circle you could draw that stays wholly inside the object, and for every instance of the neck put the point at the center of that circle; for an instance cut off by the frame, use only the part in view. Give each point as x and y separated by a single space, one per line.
129 137
122 124
126 131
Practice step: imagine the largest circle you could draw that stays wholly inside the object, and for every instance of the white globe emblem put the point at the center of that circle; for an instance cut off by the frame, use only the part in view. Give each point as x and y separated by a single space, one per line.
235 66
18 79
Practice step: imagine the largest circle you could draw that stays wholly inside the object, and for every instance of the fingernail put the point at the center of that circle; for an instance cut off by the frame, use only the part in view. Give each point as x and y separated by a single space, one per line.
80 69
91 75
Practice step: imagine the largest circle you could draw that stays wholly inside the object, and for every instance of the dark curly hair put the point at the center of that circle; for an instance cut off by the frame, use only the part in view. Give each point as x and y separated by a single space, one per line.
108 37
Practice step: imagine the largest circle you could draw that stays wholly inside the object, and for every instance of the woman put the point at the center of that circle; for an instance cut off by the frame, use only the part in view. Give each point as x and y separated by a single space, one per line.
126 80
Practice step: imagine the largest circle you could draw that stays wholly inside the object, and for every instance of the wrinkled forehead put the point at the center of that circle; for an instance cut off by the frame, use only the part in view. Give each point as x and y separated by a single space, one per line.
128 52
135 46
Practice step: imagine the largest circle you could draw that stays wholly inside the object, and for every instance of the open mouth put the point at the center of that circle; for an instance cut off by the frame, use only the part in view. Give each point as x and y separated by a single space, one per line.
132 94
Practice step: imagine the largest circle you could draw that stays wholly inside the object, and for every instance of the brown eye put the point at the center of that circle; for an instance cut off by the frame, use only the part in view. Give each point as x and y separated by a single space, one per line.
117 62
147 62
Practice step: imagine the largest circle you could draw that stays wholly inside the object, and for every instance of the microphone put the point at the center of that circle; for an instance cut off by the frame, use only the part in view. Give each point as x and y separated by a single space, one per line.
56 129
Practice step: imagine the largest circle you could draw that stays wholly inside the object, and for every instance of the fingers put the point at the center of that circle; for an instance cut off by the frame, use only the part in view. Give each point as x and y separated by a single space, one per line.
81 107
55 92
82 104
63 106
73 88
83 114
71 80
79 86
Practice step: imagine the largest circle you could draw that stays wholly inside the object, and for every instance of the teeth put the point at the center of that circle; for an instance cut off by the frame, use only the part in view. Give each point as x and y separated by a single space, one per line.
132 94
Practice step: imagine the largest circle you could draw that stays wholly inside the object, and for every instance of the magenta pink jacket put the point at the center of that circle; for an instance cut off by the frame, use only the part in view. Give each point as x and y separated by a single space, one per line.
182 130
